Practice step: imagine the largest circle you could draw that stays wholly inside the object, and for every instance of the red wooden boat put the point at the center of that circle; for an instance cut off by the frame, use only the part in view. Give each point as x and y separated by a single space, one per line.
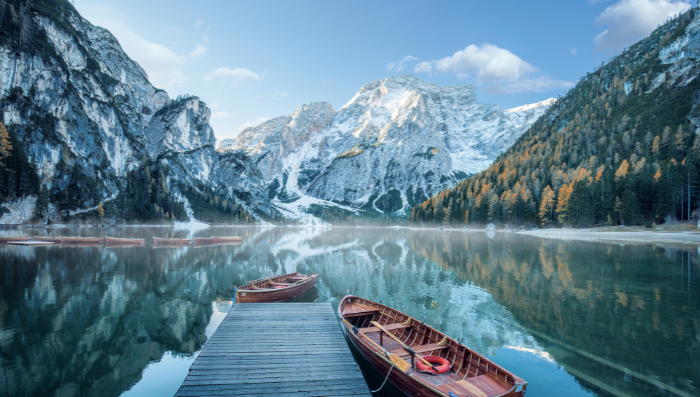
81 240
171 241
124 241
234 239
278 288
467 373
48 238
203 241
9 239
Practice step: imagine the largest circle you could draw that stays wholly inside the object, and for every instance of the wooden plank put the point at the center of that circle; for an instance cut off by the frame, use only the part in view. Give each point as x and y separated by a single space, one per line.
276 349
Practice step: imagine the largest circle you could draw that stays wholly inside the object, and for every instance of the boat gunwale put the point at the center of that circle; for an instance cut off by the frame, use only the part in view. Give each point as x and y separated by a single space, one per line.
453 346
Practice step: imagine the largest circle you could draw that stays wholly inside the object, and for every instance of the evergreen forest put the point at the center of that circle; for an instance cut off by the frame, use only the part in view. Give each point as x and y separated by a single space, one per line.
618 148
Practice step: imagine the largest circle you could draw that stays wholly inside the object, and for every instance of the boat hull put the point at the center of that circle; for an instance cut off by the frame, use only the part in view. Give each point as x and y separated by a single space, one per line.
218 240
81 240
483 377
171 241
124 241
406 383
276 295
10 239
49 239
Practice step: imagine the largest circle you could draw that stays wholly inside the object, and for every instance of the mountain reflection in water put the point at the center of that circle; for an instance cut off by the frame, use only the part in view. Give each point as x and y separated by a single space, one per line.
572 318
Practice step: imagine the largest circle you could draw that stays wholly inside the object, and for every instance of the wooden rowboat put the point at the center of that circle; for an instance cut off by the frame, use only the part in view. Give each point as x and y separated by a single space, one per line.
278 288
48 238
81 240
124 241
31 242
171 241
372 328
234 239
201 241
198 242
9 239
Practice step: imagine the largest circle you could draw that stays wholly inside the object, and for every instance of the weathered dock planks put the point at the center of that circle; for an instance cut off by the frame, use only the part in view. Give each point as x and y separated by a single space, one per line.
276 349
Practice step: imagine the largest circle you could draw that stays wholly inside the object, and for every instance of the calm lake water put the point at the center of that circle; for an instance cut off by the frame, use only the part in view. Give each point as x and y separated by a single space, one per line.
571 318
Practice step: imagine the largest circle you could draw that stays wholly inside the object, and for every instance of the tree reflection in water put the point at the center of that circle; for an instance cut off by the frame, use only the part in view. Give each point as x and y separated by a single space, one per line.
623 320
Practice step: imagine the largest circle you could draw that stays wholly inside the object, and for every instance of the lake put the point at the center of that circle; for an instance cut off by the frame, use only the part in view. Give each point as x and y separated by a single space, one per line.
571 318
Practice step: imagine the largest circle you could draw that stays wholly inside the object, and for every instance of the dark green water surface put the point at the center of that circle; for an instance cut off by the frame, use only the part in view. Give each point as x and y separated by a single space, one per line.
571 318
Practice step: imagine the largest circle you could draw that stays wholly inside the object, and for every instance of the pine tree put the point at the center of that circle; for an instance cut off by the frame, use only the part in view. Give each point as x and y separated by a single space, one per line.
5 145
546 206
563 202
618 209
42 203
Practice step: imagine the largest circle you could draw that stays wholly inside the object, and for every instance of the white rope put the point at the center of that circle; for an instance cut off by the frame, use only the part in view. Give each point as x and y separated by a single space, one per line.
385 379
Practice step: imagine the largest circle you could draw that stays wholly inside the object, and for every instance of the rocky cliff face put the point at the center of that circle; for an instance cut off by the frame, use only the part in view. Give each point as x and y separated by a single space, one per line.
82 101
397 141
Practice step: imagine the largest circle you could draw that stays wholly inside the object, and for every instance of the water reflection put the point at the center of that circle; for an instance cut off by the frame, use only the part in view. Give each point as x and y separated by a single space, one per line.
570 317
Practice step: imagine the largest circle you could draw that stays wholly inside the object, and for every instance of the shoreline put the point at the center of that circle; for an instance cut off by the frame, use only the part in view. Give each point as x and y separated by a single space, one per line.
608 235
599 234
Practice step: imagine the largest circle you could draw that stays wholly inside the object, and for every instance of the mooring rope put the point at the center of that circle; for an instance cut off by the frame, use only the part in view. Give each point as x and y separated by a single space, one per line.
385 379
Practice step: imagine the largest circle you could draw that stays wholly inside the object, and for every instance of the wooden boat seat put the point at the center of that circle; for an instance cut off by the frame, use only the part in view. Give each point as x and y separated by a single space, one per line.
419 349
353 309
478 386
296 278
281 284
389 327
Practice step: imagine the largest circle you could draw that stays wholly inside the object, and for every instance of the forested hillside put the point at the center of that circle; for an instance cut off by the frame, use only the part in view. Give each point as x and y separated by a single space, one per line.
620 148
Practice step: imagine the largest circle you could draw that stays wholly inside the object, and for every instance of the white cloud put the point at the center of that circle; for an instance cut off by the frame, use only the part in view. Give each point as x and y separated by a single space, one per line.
573 50
499 69
213 105
401 64
629 21
238 75
253 123
162 64
487 62
199 23
279 94
424 67
221 115
198 51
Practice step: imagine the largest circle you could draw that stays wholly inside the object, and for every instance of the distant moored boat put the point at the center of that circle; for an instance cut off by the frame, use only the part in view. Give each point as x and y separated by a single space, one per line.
171 241
9 239
200 241
80 240
234 239
124 241
48 238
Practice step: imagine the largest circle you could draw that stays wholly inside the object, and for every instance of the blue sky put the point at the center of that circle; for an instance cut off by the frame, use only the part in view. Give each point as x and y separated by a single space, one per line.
254 60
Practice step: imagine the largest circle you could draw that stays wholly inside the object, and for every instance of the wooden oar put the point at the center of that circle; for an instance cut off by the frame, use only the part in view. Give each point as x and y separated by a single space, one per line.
400 363
376 324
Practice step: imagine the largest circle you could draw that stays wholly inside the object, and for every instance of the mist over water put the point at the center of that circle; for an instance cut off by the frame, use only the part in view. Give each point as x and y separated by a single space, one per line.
571 318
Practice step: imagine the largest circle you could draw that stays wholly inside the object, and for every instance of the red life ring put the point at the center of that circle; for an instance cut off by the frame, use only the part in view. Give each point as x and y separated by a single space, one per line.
439 363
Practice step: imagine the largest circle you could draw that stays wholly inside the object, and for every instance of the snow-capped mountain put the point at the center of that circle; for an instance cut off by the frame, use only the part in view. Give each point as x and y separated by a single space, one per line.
396 142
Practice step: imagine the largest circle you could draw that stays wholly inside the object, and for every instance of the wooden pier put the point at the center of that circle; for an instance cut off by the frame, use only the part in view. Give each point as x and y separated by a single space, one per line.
276 349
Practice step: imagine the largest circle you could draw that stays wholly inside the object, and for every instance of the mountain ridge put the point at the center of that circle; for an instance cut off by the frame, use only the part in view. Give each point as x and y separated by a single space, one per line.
402 139
621 147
